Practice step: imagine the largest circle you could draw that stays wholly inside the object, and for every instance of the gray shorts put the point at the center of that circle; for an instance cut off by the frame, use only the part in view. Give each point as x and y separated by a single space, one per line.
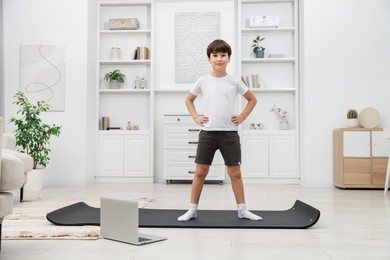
228 142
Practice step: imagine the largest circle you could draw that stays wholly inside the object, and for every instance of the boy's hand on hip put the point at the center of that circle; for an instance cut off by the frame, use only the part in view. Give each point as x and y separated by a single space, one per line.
201 120
237 119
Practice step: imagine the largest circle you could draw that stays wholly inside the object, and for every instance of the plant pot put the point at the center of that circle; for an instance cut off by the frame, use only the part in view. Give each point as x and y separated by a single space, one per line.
260 54
283 125
114 84
34 180
352 122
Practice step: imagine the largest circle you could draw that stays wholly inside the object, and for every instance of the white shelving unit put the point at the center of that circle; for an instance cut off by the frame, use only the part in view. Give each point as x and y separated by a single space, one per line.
271 154
124 155
148 107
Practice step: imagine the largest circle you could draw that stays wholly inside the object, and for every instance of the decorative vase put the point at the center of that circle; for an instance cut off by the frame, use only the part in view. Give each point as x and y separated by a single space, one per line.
114 84
129 127
352 122
283 125
115 53
34 180
260 54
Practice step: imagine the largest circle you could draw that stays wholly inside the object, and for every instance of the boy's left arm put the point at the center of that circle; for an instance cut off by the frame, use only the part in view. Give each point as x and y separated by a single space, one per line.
248 108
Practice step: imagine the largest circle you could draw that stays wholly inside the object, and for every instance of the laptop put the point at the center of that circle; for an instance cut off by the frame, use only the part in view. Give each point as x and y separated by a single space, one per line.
119 222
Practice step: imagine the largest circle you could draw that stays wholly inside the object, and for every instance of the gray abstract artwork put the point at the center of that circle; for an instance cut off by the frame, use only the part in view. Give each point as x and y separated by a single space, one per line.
42 74
193 33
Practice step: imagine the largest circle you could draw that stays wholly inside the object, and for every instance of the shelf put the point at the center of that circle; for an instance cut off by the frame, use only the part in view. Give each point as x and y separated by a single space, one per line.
268 60
267 132
266 1
128 91
272 90
123 131
171 90
125 31
123 62
279 29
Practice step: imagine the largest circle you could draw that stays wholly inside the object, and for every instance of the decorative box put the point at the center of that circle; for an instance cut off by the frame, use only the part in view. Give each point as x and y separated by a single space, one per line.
124 24
264 21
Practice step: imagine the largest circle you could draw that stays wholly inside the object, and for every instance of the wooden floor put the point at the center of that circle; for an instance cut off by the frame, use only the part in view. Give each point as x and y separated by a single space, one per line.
354 224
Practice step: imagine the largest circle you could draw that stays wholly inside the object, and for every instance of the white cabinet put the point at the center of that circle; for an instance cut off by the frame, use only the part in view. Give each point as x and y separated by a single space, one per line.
123 154
180 143
269 155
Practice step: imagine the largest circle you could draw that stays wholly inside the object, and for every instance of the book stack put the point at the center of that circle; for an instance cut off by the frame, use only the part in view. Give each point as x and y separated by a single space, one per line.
141 53
253 81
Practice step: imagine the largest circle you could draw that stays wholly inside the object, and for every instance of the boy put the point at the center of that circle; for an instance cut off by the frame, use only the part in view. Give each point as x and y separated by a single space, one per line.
219 126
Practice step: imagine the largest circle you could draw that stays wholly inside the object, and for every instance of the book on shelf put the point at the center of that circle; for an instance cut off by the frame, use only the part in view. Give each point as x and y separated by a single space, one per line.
253 81
114 128
141 53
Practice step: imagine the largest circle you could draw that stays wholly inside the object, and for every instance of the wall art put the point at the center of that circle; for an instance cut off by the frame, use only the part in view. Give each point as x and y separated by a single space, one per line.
193 33
43 73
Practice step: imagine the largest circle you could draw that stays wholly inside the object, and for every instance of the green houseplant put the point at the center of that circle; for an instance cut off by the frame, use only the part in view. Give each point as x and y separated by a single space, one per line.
114 78
32 135
257 48
352 118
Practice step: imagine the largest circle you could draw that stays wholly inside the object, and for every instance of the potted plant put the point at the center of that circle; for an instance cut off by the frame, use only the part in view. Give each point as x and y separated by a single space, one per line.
352 120
282 115
32 135
257 49
115 78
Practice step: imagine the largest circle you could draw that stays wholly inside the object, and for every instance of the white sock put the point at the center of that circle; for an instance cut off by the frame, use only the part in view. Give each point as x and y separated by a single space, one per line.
190 214
243 212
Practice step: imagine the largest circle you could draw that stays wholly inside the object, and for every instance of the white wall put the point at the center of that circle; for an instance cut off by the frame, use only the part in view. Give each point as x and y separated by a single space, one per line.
64 23
345 65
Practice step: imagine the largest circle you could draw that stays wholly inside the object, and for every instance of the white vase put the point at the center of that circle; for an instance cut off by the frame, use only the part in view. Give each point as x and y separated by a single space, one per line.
283 125
353 122
34 180
114 84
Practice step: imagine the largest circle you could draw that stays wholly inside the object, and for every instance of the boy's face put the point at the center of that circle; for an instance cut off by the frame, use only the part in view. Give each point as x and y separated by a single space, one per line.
219 61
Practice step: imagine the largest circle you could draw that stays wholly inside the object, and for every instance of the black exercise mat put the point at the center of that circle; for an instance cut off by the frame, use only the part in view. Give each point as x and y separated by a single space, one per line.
78 214
301 215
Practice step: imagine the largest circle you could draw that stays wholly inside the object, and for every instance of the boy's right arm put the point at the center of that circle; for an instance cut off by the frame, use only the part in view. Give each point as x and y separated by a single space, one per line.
191 108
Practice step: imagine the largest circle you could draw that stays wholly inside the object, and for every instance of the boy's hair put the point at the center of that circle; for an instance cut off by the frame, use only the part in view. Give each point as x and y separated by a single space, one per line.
219 46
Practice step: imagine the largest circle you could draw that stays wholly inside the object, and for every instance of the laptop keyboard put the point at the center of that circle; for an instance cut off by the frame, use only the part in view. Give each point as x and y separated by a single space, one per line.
142 239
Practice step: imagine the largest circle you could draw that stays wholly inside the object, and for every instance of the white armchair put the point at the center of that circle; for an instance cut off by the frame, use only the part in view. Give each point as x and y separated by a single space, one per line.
13 166
9 148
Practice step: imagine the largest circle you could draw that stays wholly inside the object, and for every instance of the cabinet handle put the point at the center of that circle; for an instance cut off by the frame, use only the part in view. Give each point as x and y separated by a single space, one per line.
191 156
192 142
191 172
193 130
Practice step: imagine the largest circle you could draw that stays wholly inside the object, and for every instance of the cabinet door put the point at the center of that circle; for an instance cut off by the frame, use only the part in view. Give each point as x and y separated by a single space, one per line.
254 156
282 156
110 155
380 144
356 144
136 156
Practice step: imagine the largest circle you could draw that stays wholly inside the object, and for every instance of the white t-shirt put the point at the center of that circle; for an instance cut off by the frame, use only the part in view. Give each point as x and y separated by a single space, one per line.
219 95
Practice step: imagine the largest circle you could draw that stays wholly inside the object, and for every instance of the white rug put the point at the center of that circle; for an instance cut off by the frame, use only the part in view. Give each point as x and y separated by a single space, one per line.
28 220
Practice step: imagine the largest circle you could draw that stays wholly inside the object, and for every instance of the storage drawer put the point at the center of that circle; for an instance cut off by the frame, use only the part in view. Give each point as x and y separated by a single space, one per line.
187 171
188 156
357 178
182 129
178 119
180 155
181 142
357 166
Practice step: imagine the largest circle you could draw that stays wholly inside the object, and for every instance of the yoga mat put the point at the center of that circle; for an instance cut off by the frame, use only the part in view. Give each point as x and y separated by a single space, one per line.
300 215
78 214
